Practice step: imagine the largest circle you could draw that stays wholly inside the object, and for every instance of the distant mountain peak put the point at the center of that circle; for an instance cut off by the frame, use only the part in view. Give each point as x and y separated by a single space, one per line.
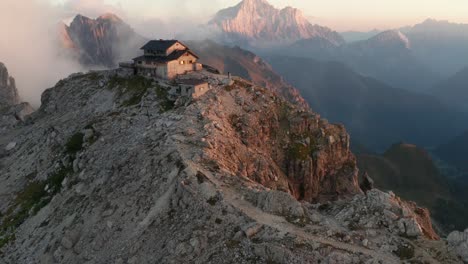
80 17
110 16
101 41
258 22
392 37
255 2
432 21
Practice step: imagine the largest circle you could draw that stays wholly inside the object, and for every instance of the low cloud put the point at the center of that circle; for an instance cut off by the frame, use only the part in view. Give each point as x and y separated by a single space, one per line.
29 47
90 8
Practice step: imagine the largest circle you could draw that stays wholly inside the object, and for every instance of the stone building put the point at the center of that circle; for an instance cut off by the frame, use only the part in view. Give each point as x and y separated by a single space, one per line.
165 59
190 87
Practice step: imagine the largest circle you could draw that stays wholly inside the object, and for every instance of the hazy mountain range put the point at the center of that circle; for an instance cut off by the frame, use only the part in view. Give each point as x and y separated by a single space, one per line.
454 90
377 115
455 152
352 36
413 58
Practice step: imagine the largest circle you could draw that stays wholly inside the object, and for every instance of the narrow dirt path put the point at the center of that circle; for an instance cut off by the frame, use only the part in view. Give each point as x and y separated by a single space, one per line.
277 222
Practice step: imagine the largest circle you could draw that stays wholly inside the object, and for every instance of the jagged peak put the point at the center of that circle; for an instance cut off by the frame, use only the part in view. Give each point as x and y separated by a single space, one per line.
432 21
110 16
392 35
80 17
254 2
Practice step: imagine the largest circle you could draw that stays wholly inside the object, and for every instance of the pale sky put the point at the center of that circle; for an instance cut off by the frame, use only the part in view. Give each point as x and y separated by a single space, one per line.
338 14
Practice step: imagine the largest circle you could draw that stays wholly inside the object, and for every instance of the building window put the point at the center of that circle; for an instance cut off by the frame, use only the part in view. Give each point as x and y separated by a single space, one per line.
181 62
140 62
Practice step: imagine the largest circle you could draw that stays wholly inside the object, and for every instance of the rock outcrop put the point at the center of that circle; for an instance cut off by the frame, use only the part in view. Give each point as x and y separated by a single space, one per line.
258 23
8 92
12 112
262 138
458 241
110 170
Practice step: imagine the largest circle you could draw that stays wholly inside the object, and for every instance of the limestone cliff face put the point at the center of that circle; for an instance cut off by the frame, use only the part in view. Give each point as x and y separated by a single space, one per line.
258 22
280 146
8 92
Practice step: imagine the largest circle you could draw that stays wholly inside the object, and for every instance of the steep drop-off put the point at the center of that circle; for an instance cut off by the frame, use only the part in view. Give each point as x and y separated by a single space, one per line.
411 173
375 114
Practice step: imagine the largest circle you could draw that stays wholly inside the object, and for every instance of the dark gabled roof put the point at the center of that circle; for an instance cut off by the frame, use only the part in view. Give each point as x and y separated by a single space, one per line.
159 44
159 59
178 53
193 82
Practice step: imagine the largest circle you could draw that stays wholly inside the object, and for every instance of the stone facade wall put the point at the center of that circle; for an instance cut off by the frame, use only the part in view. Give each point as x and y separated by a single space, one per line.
200 90
159 70
174 68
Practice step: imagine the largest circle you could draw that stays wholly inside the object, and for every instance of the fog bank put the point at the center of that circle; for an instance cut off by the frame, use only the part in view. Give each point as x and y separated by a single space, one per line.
29 47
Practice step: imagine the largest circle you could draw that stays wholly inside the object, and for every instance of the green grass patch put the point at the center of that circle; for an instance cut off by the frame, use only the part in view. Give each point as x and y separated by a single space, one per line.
212 201
165 103
75 143
29 201
134 86
405 251
235 122
299 149
93 76
229 88
134 83
242 84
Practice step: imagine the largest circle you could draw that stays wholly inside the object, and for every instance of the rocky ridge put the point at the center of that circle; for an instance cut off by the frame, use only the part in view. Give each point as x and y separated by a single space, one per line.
109 169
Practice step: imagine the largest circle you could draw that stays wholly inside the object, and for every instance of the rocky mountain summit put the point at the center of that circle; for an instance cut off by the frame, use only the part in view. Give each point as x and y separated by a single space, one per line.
111 170
99 42
259 23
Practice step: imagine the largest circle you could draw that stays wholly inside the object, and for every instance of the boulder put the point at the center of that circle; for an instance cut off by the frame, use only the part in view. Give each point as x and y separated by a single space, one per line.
458 242
280 203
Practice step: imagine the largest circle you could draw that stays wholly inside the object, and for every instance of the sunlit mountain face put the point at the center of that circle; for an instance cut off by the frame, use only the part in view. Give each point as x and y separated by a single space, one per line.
257 23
